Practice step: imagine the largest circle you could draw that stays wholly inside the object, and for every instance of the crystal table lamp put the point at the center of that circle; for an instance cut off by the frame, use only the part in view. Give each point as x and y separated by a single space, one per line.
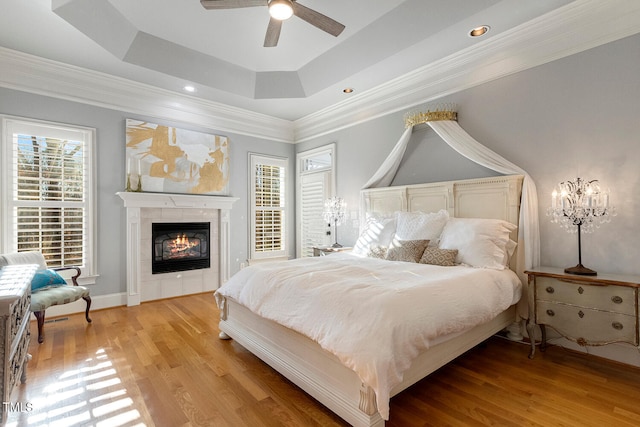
580 205
335 210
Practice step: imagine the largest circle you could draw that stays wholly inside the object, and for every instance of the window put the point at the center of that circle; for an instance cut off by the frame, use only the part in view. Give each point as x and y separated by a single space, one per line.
267 188
47 192
315 184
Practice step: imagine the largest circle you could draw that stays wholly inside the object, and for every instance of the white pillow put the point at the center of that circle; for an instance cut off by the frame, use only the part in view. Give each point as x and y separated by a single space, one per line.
420 225
480 242
510 249
378 232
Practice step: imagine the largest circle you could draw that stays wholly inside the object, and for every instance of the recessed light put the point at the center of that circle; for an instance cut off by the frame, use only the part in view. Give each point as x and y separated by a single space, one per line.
479 31
189 88
348 90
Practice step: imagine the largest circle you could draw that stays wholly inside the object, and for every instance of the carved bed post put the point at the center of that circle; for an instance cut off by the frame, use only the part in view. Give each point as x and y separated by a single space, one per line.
224 312
367 403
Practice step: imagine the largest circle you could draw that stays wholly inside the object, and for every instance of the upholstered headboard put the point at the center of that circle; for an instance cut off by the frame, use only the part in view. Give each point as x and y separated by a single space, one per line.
496 197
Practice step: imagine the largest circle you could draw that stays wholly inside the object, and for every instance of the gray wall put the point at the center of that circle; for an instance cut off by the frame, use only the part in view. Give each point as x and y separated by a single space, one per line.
110 159
573 117
577 116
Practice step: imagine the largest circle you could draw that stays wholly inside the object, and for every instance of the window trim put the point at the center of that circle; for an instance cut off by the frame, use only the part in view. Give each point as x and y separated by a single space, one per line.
11 124
283 162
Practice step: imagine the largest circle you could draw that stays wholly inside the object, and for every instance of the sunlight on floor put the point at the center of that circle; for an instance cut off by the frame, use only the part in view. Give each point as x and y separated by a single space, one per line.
89 395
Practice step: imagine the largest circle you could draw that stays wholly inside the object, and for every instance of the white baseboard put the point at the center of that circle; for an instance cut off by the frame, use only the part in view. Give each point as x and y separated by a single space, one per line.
618 352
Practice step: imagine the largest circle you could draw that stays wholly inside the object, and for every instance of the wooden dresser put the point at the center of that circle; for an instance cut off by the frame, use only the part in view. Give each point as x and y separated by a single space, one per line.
589 310
15 302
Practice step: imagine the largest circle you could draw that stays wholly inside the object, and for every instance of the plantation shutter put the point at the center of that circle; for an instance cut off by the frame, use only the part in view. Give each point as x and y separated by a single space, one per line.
49 203
268 210
314 190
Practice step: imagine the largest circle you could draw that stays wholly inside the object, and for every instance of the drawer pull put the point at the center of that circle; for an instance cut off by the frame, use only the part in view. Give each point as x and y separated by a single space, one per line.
616 299
550 290
550 313
580 314
580 290
617 326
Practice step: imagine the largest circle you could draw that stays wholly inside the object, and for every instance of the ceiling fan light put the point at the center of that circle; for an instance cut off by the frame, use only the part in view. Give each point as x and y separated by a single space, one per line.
280 9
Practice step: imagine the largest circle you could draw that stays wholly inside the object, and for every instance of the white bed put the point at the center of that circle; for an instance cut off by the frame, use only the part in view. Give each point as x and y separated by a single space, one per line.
324 375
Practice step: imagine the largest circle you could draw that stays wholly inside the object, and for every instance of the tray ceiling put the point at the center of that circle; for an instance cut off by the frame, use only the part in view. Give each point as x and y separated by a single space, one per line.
171 43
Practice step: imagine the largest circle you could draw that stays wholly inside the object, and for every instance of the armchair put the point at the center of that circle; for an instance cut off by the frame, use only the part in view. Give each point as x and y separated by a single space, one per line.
45 297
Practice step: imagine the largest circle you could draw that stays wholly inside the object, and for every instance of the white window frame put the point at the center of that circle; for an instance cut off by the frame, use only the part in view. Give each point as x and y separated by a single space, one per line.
10 125
301 158
254 160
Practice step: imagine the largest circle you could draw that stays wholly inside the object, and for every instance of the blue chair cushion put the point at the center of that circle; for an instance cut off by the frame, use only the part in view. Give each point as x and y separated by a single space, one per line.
46 279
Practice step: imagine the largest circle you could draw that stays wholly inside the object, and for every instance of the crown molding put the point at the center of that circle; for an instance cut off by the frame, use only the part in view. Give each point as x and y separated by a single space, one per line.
33 74
576 27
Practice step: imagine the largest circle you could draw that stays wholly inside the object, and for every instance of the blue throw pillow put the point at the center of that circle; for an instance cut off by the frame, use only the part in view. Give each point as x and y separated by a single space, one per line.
45 279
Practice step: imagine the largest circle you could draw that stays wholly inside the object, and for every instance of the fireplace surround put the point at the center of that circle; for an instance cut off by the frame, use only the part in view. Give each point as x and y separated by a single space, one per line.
144 209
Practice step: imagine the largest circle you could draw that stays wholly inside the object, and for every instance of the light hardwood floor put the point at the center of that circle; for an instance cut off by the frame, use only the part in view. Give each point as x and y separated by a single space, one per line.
162 364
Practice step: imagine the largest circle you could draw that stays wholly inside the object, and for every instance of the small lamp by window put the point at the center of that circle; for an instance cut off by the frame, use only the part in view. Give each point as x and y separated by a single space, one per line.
335 210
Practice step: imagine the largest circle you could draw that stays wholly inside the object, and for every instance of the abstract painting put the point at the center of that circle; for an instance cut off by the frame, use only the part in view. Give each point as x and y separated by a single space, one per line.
173 160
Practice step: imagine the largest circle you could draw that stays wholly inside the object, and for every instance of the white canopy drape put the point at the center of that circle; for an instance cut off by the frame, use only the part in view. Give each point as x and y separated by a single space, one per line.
451 132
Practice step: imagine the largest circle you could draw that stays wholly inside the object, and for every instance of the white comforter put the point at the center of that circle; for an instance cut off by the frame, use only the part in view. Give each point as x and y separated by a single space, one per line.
375 315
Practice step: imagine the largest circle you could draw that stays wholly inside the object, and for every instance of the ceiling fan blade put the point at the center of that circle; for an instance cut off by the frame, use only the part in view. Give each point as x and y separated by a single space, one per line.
317 19
273 33
231 4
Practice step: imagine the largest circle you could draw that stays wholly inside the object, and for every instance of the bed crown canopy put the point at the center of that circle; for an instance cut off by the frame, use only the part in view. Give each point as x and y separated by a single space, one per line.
442 118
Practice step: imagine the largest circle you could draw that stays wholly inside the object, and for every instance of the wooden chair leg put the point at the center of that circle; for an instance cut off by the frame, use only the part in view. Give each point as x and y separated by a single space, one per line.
86 313
40 317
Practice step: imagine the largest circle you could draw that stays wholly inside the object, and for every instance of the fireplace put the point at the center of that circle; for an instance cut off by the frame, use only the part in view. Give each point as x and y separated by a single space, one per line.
145 209
180 246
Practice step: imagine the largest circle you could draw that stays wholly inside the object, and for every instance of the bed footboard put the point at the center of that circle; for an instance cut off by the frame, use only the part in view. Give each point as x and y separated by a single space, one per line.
321 375
303 362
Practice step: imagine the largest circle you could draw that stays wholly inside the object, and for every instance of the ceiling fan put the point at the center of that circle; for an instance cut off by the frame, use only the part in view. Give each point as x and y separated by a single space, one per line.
279 10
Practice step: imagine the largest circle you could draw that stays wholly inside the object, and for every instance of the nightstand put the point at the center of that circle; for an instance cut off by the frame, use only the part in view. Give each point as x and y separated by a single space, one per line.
326 250
589 310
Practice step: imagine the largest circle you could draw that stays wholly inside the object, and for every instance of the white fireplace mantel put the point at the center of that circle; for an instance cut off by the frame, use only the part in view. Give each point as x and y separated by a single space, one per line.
188 205
166 200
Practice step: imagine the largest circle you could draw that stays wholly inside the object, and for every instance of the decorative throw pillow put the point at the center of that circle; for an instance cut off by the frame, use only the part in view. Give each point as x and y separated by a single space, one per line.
437 256
480 242
46 279
377 251
377 231
406 250
420 225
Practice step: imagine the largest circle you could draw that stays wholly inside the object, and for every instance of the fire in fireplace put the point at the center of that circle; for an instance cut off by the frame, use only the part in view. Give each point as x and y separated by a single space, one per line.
180 246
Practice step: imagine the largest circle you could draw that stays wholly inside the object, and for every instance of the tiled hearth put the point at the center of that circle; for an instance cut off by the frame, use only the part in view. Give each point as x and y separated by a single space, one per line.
143 209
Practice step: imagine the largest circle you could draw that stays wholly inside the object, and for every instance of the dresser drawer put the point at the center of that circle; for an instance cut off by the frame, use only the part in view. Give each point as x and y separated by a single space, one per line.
587 326
18 361
618 299
20 310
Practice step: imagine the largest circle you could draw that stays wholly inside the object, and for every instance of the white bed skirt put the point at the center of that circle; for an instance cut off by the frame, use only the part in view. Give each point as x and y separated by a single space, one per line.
321 375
